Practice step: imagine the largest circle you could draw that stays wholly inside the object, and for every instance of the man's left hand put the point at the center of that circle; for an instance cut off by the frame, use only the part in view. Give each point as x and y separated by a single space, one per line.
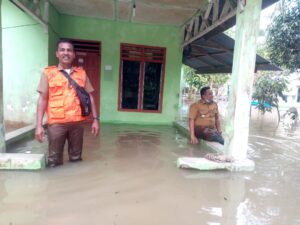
95 127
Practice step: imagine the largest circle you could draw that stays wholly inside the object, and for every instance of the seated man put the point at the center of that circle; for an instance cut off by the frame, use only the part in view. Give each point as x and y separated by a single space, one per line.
204 120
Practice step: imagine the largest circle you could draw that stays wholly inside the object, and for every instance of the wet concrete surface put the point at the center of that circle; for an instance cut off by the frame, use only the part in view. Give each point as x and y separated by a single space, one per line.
129 177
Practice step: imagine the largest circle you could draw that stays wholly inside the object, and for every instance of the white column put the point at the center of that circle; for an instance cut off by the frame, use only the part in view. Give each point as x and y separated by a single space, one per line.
237 120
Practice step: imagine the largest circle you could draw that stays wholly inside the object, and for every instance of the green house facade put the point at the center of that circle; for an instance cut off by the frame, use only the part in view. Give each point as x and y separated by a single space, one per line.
28 47
134 66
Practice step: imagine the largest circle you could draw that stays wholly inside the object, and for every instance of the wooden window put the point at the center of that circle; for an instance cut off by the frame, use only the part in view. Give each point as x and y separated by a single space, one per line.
141 78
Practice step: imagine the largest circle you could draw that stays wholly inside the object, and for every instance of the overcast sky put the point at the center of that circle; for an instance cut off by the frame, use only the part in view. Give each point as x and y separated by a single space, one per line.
265 17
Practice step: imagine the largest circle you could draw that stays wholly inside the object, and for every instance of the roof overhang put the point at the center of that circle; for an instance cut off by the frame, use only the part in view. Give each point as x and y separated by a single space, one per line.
219 16
215 55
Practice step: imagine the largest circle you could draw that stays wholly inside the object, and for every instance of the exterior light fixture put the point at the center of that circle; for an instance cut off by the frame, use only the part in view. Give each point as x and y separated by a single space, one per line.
133 9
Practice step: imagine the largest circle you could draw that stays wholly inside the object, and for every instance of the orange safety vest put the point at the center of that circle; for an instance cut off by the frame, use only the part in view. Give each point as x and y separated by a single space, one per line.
63 103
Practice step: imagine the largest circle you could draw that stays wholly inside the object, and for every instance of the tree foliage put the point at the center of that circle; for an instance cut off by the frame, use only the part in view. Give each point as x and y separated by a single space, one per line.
196 80
267 90
283 38
192 79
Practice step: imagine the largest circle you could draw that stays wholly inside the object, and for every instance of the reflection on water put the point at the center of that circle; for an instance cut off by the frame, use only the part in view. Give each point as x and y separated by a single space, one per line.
275 185
129 177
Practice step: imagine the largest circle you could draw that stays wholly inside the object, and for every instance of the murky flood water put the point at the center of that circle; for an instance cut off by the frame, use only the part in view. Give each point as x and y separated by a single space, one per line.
129 177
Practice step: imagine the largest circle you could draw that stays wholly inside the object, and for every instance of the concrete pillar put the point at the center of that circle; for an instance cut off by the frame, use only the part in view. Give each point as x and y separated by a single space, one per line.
2 133
237 126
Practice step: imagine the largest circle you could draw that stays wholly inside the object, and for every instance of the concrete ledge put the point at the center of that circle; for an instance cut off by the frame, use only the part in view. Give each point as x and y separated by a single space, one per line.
211 146
182 127
20 134
17 161
200 164
205 164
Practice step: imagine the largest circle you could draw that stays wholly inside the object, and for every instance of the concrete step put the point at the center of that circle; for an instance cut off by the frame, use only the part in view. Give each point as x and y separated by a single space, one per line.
22 161
211 146
245 165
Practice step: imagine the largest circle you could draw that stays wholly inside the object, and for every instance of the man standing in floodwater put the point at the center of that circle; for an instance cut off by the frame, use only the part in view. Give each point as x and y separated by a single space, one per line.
204 122
59 99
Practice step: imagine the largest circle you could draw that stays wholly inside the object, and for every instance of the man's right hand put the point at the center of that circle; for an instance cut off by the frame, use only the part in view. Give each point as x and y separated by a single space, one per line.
39 133
194 140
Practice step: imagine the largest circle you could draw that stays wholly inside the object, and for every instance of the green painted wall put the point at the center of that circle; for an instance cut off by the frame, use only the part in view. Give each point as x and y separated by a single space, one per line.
25 54
111 34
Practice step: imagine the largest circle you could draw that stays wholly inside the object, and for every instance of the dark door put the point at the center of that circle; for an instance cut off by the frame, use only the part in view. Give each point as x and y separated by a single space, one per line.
88 57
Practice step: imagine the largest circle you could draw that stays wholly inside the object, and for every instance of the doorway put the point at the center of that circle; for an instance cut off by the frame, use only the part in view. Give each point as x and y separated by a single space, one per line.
88 56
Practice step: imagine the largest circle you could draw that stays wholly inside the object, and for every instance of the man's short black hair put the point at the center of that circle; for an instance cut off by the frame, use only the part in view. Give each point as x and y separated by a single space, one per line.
64 40
203 90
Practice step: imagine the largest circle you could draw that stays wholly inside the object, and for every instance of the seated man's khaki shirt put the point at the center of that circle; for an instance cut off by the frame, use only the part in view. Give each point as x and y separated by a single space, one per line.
204 114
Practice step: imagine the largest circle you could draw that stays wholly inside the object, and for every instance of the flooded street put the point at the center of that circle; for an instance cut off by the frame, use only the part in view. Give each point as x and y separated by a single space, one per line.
129 177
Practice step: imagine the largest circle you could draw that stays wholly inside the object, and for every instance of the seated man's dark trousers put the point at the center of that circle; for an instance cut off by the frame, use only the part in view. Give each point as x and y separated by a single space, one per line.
57 136
208 134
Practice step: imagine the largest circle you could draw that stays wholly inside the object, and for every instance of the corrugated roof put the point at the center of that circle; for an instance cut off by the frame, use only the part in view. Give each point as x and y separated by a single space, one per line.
215 55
